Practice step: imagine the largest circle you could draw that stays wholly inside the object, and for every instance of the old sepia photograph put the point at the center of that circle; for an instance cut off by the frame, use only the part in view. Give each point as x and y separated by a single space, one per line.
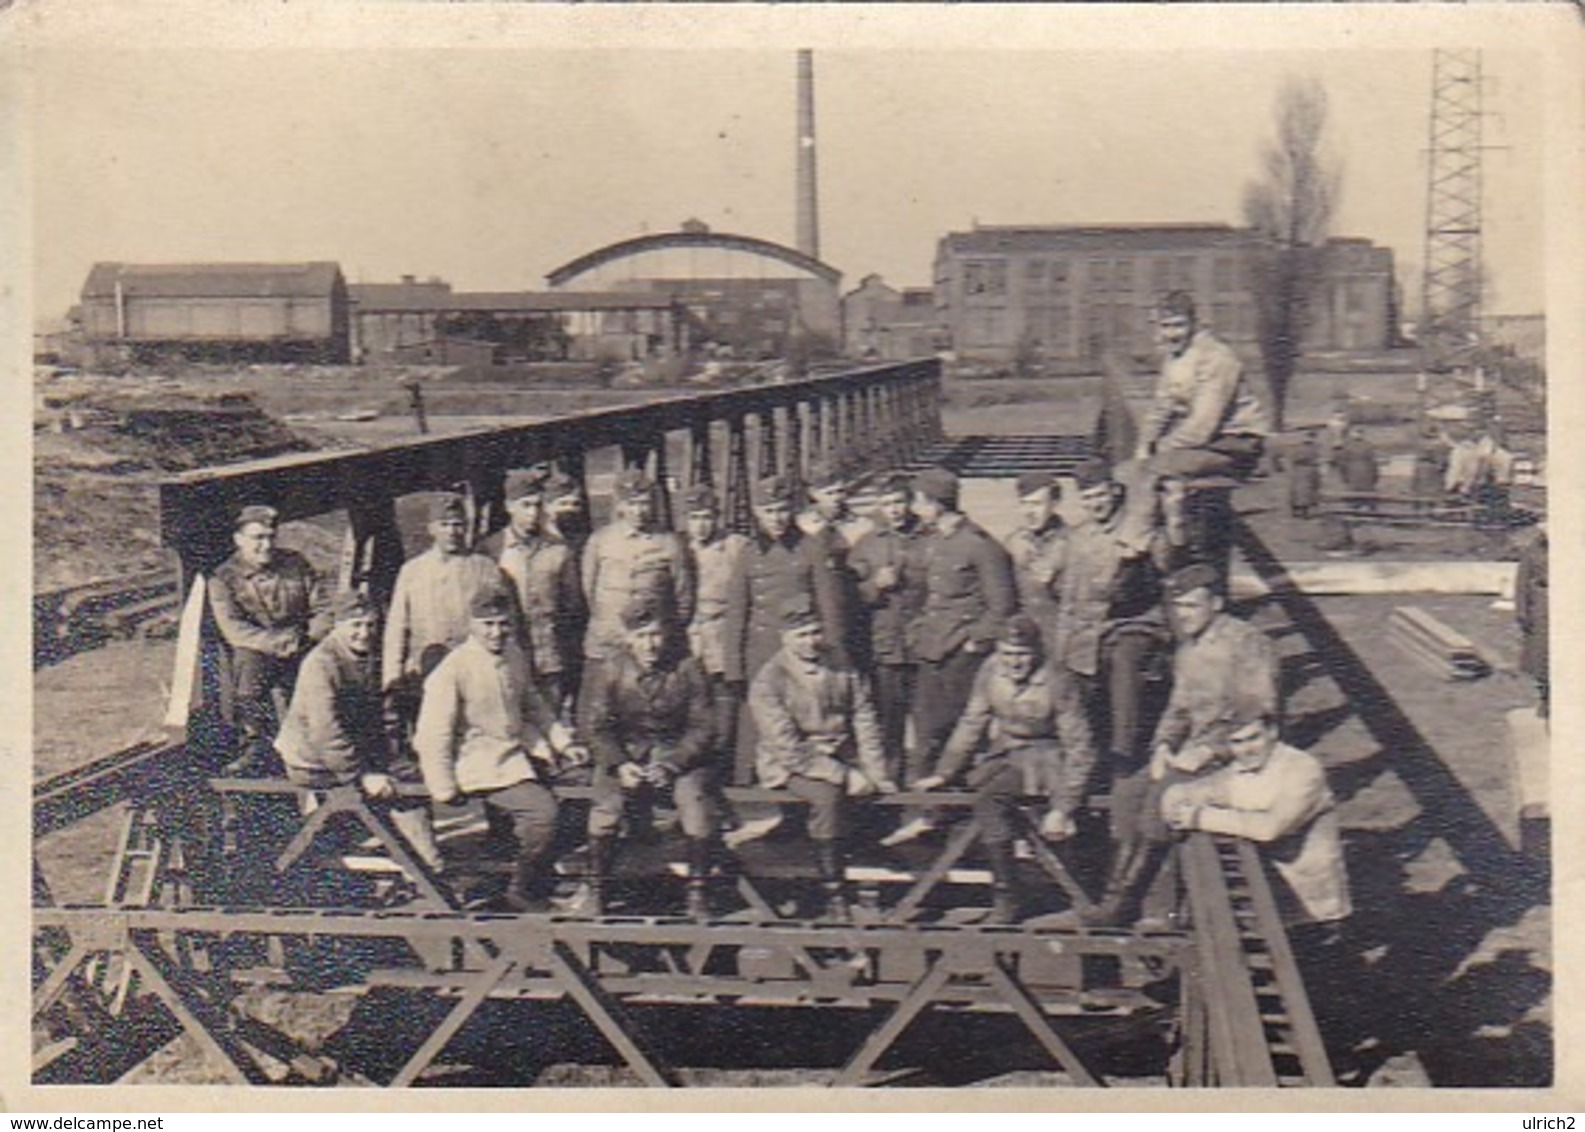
802 550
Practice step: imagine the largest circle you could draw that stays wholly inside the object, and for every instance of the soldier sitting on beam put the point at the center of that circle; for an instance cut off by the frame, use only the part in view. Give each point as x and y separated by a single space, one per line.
334 732
1029 719
818 738
650 722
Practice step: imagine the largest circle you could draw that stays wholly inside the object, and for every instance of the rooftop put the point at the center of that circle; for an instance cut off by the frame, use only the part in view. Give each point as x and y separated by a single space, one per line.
212 280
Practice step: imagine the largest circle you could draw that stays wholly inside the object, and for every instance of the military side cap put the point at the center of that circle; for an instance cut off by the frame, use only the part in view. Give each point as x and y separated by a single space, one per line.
350 604
631 483
491 601
1200 576
1020 634
938 484
798 610
641 613
448 507
1030 482
824 475
257 513
773 489
898 483
525 483
1176 304
559 485
700 497
1092 473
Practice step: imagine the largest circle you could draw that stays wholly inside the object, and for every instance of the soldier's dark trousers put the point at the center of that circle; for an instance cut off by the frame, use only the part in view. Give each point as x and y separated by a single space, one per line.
940 696
998 785
527 810
826 808
894 699
262 684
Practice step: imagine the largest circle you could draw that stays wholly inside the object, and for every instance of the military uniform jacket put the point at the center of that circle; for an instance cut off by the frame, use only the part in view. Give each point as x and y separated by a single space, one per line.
832 550
620 564
268 609
890 611
1009 717
335 726
1203 394
544 575
1039 558
1100 587
768 574
1230 655
633 715
814 721
969 591
714 565
430 609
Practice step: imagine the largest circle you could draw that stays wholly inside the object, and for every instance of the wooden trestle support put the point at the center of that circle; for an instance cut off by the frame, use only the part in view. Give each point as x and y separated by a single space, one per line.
1223 991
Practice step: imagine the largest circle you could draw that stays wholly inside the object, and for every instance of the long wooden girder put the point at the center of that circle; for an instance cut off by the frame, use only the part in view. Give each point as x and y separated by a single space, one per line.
195 505
147 769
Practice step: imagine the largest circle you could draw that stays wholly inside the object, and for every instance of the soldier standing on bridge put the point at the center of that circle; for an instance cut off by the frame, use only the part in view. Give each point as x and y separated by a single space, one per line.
1205 421
969 594
485 730
817 737
334 732
1218 657
268 604
650 727
715 552
1038 549
886 563
429 608
1029 717
544 574
831 530
628 559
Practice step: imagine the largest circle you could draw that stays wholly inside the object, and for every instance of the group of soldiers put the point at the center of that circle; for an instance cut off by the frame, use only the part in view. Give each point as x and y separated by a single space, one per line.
823 655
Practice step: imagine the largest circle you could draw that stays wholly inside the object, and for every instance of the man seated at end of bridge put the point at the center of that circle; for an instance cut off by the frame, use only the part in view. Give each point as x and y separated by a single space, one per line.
334 732
819 738
650 721
1277 796
1031 722
485 729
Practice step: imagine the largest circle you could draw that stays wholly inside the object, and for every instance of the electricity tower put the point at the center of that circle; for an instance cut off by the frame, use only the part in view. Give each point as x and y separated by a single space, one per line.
1451 295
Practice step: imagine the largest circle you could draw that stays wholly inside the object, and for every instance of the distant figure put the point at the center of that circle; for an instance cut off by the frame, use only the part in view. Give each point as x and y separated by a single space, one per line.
1304 478
1428 478
1530 610
1357 464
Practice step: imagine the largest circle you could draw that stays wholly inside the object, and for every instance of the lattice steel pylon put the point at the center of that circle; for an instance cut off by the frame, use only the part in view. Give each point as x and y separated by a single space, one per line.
1451 295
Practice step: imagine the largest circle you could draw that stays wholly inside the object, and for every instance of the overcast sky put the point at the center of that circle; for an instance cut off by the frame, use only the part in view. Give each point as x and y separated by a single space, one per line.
491 167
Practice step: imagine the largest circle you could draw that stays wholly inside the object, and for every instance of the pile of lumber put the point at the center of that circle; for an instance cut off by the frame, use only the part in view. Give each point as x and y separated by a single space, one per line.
1443 650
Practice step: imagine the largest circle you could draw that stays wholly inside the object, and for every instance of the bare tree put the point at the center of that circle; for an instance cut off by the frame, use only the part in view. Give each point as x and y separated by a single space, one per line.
1290 205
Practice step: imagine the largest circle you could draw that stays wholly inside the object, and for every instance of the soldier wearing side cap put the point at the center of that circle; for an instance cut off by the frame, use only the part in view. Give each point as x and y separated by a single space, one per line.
485 730
628 559
649 717
817 737
1027 722
430 604
1038 549
334 731
891 585
268 604
715 552
544 574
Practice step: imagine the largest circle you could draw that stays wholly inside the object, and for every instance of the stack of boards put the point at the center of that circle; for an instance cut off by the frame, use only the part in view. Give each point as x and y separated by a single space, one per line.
1445 651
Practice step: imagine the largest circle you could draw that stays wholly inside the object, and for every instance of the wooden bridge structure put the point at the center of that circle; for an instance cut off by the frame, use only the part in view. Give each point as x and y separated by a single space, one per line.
176 943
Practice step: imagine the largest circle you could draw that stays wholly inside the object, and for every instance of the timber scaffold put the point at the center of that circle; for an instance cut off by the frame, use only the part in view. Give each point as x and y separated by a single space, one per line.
1219 993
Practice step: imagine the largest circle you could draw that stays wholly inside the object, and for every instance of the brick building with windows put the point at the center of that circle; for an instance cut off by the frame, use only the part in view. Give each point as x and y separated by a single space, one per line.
1067 295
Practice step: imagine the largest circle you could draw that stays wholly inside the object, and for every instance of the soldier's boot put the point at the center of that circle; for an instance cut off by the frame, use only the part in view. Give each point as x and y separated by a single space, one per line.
1109 911
600 854
1004 884
828 859
698 899
1125 890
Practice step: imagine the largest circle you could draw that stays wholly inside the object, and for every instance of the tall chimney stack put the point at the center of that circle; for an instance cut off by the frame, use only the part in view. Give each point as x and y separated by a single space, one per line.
808 190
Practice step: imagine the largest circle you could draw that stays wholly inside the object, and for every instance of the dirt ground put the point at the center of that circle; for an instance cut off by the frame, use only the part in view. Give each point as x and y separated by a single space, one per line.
1451 943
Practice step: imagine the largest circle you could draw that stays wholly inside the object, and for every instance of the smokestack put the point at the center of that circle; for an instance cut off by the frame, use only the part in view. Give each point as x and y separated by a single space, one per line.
808 191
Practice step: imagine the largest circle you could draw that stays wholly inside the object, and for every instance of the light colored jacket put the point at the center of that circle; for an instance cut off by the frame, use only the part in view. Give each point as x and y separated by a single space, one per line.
619 564
715 563
1287 806
1203 394
335 725
1230 655
814 722
483 723
430 607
